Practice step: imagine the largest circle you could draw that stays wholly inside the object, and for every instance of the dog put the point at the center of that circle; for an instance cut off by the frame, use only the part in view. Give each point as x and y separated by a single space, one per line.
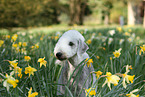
71 51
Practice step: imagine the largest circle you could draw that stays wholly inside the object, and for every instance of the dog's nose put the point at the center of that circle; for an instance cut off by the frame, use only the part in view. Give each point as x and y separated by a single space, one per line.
58 55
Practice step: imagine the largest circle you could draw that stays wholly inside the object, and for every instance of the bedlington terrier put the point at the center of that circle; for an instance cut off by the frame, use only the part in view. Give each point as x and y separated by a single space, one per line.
71 51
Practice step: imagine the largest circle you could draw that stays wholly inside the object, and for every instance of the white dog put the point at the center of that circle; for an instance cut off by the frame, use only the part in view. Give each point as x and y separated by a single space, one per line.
71 51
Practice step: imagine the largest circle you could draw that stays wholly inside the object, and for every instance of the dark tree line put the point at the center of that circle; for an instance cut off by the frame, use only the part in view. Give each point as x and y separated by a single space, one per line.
24 13
14 13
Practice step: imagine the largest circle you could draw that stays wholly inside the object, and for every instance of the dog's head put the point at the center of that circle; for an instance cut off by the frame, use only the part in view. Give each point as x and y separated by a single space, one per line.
71 43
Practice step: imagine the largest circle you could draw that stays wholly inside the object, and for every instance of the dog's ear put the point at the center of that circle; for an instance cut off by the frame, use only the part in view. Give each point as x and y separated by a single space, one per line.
82 47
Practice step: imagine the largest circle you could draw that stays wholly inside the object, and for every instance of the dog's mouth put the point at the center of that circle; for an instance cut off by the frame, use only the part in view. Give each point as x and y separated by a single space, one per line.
61 59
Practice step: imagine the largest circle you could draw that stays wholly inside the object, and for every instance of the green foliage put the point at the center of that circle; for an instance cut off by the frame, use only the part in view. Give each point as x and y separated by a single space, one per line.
45 79
25 13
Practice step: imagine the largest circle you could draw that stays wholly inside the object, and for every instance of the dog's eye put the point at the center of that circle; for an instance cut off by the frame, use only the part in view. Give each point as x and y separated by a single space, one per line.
71 43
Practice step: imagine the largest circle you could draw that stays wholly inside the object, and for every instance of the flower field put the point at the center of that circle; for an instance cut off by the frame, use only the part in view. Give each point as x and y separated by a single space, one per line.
28 66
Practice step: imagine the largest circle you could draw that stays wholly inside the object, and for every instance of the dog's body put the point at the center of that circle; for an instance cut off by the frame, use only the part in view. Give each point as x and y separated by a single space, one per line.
71 50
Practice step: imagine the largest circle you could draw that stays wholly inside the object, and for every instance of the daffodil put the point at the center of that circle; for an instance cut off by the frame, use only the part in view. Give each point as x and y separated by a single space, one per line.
130 30
89 61
30 70
24 51
20 44
14 37
98 73
121 41
126 77
1 42
119 29
128 67
104 48
89 41
13 63
142 49
114 79
130 39
133 95
18 71
10 81
7 36
27 58
41 38
37 45
110 58
42 62
56 37
30 94
127 34
112 32
90 92
98 57
110 41
117 53
24 44
14 45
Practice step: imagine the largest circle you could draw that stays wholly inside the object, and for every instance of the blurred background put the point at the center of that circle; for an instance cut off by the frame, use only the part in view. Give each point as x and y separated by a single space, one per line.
38 13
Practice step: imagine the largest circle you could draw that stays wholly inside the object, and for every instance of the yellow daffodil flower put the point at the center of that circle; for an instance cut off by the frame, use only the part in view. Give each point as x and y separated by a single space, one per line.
98 73
27 58
10 81
127 78
24 44
142 49
56 37
90 92
14 37
30 70
32 47
42 62
131 93
127 34
110 58
130 30
1 42
30 94
121 41
98 57
117 53
41 38
127 68
89 41
7 36
24 51
14 45
119 29
18 71
13 63
20 44
89 61
37 45
104 48
114 79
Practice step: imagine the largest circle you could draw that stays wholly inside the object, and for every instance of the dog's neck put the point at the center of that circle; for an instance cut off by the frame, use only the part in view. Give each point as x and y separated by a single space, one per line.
76 59
74 62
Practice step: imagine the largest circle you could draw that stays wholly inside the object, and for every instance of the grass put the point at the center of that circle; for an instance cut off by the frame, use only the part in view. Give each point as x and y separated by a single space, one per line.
101 48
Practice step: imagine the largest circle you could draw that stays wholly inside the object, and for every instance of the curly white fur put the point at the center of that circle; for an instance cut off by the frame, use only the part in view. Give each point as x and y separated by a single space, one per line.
71 51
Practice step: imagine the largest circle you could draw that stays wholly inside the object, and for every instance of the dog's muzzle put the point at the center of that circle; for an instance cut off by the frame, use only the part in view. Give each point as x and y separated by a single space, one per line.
60 56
